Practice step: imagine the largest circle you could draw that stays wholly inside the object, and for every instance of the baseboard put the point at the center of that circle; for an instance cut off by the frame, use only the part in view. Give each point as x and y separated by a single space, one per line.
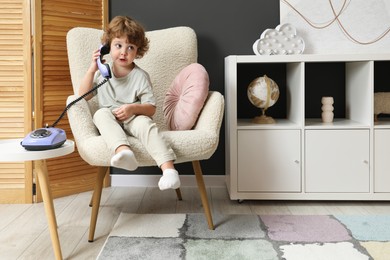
152 180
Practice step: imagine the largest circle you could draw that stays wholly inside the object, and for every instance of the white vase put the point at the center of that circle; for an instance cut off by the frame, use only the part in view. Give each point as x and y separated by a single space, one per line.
327 109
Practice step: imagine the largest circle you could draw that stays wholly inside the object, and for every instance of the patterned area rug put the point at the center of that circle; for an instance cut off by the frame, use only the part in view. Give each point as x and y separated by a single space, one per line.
290 237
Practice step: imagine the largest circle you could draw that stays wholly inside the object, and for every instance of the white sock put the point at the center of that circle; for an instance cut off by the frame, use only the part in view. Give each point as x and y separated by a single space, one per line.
169 180
125 160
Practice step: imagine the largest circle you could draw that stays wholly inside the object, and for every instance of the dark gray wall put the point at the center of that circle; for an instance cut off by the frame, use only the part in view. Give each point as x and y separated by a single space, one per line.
223 27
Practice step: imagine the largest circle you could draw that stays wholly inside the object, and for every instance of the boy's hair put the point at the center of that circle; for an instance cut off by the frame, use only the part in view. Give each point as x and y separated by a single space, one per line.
125 26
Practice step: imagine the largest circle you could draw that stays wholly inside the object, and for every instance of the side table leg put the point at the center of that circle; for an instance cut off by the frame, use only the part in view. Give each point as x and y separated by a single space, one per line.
44 184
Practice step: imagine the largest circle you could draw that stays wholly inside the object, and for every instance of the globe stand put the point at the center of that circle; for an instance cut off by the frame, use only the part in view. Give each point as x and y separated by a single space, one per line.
263 119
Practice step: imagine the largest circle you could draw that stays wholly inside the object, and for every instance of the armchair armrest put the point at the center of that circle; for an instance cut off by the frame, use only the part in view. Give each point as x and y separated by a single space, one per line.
80 120
210 118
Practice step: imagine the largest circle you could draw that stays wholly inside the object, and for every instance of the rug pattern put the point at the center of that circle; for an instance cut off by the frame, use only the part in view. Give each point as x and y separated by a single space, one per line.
290 237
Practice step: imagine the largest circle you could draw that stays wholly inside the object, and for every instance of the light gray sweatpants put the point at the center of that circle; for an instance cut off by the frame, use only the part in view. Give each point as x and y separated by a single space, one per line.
141 127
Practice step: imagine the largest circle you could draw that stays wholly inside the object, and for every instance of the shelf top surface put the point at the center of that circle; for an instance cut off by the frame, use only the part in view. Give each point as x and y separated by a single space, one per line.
309 58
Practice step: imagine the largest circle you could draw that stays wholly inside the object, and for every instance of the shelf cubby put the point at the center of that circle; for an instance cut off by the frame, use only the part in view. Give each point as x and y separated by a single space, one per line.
382 84
348 83
288 109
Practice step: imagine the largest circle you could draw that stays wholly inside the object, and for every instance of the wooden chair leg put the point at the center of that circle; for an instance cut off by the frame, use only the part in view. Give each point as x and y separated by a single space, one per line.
91 201
96 196
203 193
178 194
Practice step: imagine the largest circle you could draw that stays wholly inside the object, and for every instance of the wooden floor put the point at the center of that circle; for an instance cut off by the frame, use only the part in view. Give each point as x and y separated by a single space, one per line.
24 233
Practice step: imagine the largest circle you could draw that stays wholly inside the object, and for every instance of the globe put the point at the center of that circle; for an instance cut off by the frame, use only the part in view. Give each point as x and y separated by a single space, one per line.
263 93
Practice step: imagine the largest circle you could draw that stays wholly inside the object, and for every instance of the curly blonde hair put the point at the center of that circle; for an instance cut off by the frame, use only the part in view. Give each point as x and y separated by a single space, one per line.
125 26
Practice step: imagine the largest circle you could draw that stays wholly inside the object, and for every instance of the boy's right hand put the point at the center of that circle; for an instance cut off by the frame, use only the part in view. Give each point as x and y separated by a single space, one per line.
94 67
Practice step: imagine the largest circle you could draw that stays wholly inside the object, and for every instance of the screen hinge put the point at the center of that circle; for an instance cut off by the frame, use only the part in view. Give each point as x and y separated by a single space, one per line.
34 189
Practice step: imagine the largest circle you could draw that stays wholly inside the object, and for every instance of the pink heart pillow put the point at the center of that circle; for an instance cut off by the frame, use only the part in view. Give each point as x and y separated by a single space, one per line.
186 96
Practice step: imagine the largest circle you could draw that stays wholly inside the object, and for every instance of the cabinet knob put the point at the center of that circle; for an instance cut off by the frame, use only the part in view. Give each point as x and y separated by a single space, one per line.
365 161
296 161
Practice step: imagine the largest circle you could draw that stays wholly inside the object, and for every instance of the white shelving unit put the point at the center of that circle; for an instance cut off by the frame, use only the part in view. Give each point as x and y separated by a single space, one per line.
299 157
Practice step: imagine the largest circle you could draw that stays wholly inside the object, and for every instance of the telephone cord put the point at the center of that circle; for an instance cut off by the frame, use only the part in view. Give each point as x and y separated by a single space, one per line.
77 100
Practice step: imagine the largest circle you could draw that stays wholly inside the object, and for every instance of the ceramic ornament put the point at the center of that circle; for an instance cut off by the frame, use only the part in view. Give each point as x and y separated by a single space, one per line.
327 109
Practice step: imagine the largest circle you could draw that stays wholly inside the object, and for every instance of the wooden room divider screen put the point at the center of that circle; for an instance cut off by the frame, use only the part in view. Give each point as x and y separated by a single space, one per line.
34 85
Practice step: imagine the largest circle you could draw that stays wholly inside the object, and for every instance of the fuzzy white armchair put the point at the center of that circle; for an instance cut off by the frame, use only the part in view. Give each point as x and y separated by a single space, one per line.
170 51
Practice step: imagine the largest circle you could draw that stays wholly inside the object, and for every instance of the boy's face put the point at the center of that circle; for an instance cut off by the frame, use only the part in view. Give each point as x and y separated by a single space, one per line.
122 52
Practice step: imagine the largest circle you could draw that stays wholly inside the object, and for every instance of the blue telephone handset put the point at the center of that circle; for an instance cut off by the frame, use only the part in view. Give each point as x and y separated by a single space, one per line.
52 137
104 68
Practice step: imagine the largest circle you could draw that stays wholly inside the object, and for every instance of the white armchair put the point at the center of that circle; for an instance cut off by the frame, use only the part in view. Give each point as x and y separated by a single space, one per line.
170 51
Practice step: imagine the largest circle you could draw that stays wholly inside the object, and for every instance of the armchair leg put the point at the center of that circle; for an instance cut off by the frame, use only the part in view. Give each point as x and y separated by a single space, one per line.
203 193
96 196
178 194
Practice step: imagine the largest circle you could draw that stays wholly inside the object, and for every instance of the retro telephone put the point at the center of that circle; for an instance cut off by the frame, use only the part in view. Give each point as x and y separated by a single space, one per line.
51 137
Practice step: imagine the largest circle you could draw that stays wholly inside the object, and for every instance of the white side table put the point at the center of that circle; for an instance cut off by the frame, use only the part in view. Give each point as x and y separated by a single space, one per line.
12 151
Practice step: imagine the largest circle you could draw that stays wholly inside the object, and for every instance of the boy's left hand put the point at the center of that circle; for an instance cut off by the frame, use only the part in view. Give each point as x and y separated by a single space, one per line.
123 112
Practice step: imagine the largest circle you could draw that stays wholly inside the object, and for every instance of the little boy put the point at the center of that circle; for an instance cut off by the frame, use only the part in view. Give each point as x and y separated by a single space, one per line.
126 101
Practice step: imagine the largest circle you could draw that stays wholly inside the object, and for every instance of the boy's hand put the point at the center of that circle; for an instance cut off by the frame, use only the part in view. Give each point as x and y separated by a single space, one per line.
123 112
94 67
128 110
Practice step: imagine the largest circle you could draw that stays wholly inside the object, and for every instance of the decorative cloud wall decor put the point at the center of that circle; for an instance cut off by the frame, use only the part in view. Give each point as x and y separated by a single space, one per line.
283 40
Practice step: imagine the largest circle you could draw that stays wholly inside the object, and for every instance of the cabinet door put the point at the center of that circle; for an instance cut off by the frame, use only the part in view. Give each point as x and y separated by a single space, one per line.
337 160
382 160
269 161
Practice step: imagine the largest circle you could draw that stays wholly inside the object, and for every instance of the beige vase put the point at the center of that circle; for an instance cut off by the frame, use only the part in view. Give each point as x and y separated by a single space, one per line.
327 109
